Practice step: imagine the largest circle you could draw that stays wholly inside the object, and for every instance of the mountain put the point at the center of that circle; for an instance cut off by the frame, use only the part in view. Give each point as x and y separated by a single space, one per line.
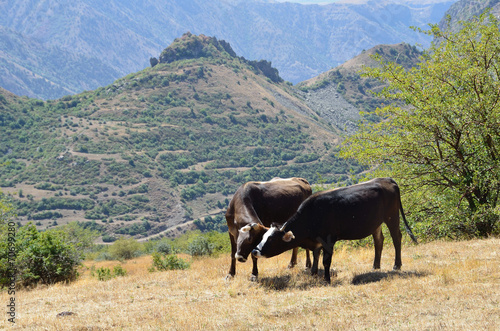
464 9
28 67
162 150
347 81
118 38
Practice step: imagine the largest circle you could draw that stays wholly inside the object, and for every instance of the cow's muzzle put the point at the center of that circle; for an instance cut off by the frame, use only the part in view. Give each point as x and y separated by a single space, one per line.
240 258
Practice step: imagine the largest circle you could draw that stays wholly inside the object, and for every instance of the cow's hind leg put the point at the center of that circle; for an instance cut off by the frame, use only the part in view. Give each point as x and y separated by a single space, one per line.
378 240
396 239
327 262
293 260
314 268
308 259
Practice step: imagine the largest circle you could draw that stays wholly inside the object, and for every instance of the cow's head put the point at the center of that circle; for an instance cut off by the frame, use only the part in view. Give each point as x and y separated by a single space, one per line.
248 237
274 242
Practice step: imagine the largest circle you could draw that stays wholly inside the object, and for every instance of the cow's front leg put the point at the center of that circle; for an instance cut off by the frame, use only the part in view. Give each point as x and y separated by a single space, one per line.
232 268
255 271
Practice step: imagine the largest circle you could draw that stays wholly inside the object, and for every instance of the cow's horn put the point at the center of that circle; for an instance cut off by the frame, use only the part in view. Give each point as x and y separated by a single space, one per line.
288 236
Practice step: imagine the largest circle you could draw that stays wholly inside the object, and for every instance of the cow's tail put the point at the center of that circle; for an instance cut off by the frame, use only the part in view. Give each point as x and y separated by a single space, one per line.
407 227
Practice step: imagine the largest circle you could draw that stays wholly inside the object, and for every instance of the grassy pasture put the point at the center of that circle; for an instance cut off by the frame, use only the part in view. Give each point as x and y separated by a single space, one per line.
442 286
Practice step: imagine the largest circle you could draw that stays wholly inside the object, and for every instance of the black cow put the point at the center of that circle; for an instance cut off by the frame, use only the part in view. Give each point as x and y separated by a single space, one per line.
256 205
347 213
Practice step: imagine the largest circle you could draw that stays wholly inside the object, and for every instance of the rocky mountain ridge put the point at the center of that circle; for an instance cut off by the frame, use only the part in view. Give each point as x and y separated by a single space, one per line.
118 38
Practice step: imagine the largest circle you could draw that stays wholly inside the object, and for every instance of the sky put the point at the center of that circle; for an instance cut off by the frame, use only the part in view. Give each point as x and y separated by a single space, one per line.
321 2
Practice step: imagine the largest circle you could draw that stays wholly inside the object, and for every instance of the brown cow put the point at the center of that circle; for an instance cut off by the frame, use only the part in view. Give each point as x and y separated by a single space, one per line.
256 205
346 213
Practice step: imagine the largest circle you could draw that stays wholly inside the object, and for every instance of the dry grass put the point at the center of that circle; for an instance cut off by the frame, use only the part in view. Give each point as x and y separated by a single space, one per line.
443 285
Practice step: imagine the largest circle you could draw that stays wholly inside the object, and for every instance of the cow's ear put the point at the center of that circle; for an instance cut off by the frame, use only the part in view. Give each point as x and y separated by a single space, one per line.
246 228
288 236
249 227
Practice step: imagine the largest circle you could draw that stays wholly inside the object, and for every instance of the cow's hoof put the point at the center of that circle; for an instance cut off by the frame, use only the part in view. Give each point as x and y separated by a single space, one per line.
253 278
229 277
396 267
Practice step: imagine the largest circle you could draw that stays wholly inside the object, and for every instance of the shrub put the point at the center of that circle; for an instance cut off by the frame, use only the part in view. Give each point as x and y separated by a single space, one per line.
163 262
45 257
118 271
104 273
163 247
125 249
200 246
104 256
80 235
33 257
108 239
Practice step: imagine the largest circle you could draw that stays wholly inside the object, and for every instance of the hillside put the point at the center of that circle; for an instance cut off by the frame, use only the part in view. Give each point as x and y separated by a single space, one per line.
30 68
163 147
442 285
52 41
346 79
464 9
344 82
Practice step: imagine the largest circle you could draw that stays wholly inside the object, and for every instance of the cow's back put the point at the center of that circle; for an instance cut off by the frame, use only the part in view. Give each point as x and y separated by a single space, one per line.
274 201
346 210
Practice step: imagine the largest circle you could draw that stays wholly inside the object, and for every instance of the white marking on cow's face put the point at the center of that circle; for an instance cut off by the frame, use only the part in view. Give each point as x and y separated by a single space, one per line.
264 239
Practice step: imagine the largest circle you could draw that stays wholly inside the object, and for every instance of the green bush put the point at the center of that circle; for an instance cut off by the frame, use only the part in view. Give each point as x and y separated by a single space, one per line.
42 257
31 257
200 246
104 273
163 262
108 239
461 224
163 247
125 249
7 243
197 243
118 271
